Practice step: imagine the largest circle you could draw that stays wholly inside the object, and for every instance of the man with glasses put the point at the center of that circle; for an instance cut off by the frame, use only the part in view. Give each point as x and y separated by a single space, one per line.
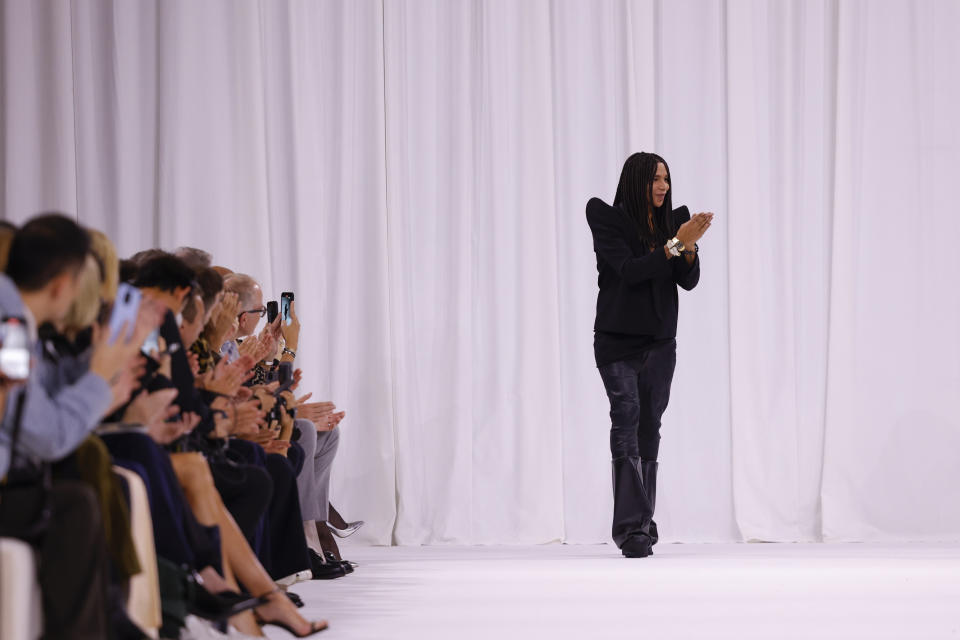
251 301
318 447
252 309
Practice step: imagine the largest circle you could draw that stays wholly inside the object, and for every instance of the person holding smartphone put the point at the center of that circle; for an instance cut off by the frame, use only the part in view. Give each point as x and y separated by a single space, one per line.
645 250
45 420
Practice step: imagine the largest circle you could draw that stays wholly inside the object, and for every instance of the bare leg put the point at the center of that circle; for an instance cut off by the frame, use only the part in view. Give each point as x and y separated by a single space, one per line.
335 518
326 539
215 583
194 474
245 621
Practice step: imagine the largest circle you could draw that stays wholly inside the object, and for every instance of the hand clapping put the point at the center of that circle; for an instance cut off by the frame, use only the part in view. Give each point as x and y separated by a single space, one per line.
693 229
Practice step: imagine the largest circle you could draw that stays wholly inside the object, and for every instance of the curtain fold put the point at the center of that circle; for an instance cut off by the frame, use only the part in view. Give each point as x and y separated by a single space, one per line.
417 171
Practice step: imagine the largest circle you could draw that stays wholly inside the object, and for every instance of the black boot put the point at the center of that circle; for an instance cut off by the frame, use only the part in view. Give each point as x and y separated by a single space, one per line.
648 472
631 509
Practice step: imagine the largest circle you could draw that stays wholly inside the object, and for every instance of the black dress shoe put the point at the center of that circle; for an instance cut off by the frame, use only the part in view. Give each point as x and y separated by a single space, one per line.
325 571
636 548
347 566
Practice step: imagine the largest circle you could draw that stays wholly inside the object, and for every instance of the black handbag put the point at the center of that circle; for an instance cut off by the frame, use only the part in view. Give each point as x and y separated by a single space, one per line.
25 504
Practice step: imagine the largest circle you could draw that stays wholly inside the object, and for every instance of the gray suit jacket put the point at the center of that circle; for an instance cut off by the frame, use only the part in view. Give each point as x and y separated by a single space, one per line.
56 416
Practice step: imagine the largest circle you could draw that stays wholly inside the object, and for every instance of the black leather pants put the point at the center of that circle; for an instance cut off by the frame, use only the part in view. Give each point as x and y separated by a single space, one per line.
639 390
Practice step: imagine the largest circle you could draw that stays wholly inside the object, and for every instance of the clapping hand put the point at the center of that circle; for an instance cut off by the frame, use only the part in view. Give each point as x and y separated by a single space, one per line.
321 414
693 229
227 377
223 318
242 419
153 410
170 430
126 382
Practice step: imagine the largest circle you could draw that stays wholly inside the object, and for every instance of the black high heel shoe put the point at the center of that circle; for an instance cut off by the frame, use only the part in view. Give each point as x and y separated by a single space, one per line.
295 599
216 607
315 627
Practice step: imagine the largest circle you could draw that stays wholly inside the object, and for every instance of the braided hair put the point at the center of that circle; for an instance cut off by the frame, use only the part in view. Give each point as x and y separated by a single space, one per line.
635 196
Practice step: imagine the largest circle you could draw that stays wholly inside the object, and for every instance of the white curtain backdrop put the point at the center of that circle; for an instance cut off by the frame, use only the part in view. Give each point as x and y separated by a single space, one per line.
417 170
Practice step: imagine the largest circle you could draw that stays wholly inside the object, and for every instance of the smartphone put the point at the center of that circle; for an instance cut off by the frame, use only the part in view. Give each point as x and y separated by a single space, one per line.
284 377
125 309
285 299
152 343
272 311
14 350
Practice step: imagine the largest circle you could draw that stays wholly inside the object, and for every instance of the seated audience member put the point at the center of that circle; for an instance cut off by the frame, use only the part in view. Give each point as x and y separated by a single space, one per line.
166 280
196 259
237 471
319 445
44 421
65 349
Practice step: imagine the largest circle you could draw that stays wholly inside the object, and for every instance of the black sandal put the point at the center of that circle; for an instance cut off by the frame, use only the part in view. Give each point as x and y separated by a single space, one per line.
295 599
314 628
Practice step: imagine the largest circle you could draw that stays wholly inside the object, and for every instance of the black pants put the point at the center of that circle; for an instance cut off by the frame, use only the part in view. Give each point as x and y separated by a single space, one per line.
282 547
245 487
639 390
178 536
73 569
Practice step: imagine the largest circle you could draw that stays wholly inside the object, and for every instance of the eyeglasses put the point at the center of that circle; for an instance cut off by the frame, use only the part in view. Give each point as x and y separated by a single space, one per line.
262 311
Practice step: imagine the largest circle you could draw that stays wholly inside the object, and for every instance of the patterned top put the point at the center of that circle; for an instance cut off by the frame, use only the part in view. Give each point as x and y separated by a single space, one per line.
205 354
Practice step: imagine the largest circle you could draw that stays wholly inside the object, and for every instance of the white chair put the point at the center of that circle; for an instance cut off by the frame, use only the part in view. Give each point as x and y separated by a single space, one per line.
143 606
21 616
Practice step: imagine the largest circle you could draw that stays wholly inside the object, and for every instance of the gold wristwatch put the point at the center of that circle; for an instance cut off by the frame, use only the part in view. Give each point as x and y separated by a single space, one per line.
674 246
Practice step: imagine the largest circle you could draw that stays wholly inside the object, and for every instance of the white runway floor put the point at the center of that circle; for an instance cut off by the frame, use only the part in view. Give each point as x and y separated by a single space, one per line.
710 591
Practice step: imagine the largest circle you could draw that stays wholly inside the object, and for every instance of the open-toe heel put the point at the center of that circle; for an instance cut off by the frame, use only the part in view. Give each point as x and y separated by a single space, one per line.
315 627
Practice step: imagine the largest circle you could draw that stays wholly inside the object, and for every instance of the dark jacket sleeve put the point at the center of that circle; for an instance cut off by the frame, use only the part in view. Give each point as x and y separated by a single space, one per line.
612 247
685 275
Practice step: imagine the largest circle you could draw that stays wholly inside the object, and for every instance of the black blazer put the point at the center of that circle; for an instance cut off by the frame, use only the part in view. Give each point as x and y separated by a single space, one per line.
638 287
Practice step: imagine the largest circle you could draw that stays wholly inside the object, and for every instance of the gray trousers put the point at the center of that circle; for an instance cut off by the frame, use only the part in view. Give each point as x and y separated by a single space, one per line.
314 480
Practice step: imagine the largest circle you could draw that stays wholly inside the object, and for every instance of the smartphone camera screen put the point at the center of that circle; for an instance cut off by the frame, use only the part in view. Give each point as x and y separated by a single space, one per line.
285 299
14 350
152 344
123 318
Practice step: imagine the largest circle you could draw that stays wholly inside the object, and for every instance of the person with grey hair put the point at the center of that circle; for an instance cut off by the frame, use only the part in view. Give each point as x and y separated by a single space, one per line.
316 425
196 259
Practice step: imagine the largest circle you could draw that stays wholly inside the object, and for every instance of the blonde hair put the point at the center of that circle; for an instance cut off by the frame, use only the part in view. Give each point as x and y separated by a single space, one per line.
86 305
106 253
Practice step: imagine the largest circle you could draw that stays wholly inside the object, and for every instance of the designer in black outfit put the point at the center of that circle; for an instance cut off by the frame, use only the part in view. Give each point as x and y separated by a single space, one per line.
645 249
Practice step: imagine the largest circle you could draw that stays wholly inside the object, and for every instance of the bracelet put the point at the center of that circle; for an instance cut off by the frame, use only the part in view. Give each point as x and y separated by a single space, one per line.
696 249
290 351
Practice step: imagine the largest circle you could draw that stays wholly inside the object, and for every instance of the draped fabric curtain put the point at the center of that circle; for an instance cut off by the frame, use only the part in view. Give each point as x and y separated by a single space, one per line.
417 170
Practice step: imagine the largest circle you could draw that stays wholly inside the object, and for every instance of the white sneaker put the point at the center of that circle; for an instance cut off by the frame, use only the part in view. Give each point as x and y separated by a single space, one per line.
301 576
